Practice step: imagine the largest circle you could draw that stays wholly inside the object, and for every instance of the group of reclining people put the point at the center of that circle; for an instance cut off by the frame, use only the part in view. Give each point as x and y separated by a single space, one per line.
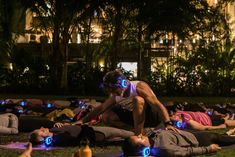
160 142
132 105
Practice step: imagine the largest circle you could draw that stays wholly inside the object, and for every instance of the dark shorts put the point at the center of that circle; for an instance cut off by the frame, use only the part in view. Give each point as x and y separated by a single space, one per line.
151 117
217 120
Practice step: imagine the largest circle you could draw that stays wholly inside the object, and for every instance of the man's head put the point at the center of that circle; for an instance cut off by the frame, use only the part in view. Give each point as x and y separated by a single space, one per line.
38 136
135 145
115 82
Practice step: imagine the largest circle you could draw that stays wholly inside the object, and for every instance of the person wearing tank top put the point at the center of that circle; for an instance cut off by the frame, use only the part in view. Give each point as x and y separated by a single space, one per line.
130 105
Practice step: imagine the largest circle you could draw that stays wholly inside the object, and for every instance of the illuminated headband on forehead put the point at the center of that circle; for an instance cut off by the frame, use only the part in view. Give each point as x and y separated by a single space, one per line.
121 83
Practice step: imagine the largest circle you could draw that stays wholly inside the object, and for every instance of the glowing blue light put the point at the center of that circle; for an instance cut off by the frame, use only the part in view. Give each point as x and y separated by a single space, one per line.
146 152
20 111
23 103
83 107
2 102
81 102
124 83
178 124
49 105
48 141
209 113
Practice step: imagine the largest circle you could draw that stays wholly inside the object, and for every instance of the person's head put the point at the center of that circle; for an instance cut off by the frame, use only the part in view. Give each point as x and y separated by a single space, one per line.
134 145
38 136
115 82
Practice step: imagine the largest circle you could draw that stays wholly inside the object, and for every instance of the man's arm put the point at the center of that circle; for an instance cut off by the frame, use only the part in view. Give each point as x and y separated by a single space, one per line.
175 150
146 92
97 111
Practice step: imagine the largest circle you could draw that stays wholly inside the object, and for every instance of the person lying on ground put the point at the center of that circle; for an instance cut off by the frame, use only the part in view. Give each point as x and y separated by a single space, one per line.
131 104
201 120
71 135
166 143
11 124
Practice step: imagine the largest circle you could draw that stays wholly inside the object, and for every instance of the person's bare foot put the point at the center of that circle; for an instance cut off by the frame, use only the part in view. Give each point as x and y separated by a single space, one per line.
230 132
27 151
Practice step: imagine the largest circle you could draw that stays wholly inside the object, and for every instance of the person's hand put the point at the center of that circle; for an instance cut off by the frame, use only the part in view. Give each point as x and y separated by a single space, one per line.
170 127
27 151
58 125
215 148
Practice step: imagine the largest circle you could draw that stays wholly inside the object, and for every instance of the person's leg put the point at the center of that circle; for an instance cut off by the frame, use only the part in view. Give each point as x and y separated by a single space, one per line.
220 139
230 122
118 117
230 132
202 135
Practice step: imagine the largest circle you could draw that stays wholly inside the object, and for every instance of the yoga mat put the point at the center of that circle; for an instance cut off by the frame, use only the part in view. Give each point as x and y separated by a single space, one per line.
22 145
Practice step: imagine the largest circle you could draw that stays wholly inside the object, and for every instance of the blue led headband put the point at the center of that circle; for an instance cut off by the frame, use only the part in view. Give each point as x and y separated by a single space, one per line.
146 151
209 113
48 141
180 125
2 102
124 83
23 103
121 82
20 111
49 105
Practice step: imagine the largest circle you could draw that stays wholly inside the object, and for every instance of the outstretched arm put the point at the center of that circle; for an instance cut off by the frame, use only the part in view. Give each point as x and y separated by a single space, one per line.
175 150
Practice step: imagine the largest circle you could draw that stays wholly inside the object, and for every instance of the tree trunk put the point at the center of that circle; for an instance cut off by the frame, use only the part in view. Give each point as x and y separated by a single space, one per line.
64 74
140 49
116 38
88 53
56 58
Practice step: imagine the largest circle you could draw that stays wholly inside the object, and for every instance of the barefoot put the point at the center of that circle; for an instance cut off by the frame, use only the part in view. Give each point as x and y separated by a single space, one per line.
230 132
27 151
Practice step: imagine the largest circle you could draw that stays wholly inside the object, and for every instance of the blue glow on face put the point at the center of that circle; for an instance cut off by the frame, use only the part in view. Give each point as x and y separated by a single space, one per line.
146 152
48 141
